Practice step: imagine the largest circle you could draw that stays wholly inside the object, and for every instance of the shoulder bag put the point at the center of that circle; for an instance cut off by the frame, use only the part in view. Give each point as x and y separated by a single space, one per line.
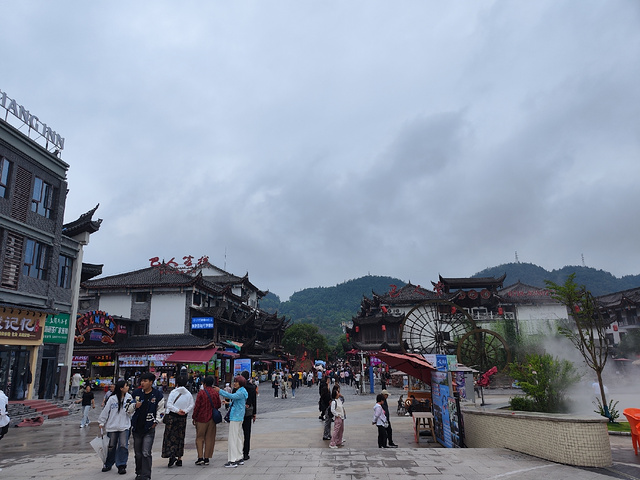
215 413
166 419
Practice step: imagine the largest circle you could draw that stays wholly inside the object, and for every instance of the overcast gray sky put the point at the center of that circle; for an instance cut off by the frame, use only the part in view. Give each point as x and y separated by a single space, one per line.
316 142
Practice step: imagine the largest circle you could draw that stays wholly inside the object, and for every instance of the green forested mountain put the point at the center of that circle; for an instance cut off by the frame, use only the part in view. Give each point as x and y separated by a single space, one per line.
328 307
598 282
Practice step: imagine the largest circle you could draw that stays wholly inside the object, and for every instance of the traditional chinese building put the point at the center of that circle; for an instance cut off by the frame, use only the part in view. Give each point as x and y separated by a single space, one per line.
378 322
197 311
380 318
620 311
40 260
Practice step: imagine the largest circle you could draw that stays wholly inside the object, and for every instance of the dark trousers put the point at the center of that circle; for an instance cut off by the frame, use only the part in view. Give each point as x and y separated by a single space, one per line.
246 428
390 434
382 436
326 434
142 445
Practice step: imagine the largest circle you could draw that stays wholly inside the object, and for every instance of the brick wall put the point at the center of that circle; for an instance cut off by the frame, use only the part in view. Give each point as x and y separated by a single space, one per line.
572 440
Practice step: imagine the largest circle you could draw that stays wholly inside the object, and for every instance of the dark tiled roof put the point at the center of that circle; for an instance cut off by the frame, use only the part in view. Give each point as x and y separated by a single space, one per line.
620 299
147 277
90 270
522 293
409 294
480 282
164 342
84 223
223 279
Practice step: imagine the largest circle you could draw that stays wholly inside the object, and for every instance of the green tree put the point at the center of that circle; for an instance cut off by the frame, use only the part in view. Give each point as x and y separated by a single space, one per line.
341 347
587 330
302 337
545 381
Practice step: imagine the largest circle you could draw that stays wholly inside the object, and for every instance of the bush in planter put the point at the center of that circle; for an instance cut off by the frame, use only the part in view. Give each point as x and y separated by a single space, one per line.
545 380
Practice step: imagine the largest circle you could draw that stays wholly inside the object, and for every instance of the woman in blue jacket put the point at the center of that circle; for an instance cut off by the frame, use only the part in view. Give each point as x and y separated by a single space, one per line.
236 417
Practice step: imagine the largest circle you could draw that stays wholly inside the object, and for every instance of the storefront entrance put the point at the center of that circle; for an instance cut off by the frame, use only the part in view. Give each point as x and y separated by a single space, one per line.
15 375
48 372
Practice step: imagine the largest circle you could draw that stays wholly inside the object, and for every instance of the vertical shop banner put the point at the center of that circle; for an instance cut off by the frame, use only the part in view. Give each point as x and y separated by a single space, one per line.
56 328
440 399
442 363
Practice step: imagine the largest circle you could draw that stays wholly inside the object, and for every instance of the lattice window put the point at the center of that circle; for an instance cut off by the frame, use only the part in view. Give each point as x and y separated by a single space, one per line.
12 260
22 195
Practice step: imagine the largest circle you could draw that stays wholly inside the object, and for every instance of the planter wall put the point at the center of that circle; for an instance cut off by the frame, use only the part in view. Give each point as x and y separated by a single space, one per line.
569 439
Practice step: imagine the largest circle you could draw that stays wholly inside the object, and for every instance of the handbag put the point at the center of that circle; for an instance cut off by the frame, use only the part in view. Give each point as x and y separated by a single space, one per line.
215 413
248 411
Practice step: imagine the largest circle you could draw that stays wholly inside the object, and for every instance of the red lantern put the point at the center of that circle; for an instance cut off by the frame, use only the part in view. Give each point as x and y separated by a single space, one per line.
347 337
500 311
615 327
576 308
357 328
384 328
453 310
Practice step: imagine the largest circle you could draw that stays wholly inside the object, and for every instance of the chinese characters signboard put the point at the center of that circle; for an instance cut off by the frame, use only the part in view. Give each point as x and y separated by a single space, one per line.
188 265
16 324
201 323
56 328
100 326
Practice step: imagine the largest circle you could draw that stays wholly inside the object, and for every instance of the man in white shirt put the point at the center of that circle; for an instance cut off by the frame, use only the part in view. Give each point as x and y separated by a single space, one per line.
75 384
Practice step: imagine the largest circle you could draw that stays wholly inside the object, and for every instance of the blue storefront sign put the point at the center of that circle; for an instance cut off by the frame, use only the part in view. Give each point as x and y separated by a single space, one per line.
201 323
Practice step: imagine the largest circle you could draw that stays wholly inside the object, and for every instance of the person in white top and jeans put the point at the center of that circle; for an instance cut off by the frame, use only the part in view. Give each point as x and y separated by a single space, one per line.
115 419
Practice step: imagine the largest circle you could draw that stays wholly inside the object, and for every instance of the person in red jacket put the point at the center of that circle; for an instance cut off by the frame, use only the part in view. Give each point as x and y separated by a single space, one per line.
206 401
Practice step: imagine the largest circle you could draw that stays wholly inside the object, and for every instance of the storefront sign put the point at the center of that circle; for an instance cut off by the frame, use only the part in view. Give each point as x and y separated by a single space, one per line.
133 360
201 323
31 121
56 328
158 359
100 324
79 361
20 324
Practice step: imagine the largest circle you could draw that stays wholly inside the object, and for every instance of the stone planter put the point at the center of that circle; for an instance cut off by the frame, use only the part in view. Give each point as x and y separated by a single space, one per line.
569 439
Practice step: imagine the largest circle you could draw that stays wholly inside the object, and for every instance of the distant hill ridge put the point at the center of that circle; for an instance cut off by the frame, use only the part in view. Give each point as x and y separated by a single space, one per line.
328 307
598 282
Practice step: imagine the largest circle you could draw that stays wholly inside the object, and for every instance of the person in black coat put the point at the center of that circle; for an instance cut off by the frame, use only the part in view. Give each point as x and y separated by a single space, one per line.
385 407
250 415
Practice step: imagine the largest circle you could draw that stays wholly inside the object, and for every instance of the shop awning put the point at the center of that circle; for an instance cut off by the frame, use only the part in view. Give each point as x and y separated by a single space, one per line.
192 356
409 363
226 353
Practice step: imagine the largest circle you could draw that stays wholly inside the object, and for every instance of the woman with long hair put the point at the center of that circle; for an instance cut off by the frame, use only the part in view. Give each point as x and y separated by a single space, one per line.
179 404
339 415
115 419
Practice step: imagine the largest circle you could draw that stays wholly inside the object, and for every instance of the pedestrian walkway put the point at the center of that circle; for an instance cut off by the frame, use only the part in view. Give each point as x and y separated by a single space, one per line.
286 445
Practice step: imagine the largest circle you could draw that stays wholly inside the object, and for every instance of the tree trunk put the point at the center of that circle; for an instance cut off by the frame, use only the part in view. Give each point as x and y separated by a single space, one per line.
605 405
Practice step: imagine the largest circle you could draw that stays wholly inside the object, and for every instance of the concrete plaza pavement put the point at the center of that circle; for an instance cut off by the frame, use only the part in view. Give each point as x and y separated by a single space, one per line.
287 444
